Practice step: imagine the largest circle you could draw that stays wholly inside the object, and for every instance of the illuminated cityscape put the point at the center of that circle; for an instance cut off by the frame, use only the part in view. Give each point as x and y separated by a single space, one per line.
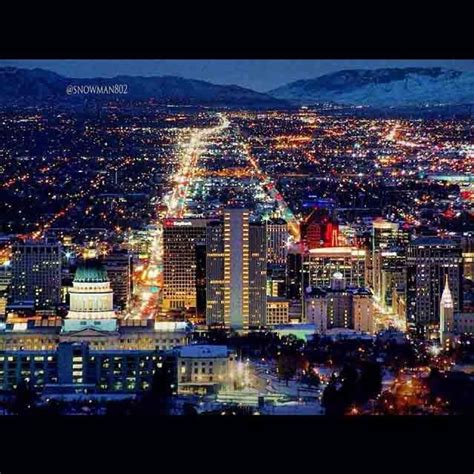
268 256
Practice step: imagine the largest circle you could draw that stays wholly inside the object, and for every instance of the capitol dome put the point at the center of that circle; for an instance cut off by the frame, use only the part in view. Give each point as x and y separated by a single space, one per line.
91 271
91 297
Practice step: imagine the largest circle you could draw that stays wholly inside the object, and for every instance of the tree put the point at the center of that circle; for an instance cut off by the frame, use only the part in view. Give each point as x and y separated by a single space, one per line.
370 382
24 398
189 409
333 399
119 408
287 364
311 378
157 400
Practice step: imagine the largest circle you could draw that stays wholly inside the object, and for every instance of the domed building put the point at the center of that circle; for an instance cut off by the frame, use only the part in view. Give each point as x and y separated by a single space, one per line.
92 351
91 299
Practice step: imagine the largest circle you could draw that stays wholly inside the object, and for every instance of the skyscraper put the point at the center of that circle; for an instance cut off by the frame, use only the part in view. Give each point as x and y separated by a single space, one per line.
467 245
277 238
36 274
277 252
257 275
180 237
320 230
119 270
294 274
389 269
386 236
446 316
429 261
236 271
215 273
319 265
201 278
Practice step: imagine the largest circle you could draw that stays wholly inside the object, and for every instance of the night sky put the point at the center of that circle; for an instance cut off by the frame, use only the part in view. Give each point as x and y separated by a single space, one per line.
260 75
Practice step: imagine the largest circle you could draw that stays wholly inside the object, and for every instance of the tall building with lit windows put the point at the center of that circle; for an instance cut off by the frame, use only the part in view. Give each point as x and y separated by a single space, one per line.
319 265
387 238
277 239
119 269
236 268
319 229
446 316
36 274
257 275
277 253
180 237
236 271
215 273
389 268
429 261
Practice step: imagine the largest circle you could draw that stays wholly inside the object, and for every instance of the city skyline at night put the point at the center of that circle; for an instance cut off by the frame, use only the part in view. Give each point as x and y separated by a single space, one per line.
176 247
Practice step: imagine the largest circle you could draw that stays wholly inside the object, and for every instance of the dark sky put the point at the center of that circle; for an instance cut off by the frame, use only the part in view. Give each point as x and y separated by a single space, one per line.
260 75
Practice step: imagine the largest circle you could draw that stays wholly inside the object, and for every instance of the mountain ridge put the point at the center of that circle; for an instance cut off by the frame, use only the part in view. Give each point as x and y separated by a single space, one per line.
30 85
382 87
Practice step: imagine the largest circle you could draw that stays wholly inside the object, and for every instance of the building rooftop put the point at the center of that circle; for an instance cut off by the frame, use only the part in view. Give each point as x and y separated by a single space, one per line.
203 350
297 326
432 240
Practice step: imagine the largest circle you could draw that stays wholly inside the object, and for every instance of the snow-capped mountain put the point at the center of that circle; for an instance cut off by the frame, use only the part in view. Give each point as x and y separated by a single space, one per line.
397 87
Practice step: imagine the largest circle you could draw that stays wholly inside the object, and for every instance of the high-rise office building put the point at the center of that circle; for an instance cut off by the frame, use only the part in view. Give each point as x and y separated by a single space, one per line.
385 237
293 274
215 273
389 270
277 311
119 269
236 271
201 278
319 265
276 280
320 230
446 316
277 252
429 261
277 239
36 274
257 275
180 237
467 245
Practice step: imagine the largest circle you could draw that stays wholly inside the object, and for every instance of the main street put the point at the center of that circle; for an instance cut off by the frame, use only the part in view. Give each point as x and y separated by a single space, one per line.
149 283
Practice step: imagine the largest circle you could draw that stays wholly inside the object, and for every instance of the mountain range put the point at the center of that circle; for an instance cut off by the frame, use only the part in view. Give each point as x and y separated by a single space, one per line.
388 87
19 85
